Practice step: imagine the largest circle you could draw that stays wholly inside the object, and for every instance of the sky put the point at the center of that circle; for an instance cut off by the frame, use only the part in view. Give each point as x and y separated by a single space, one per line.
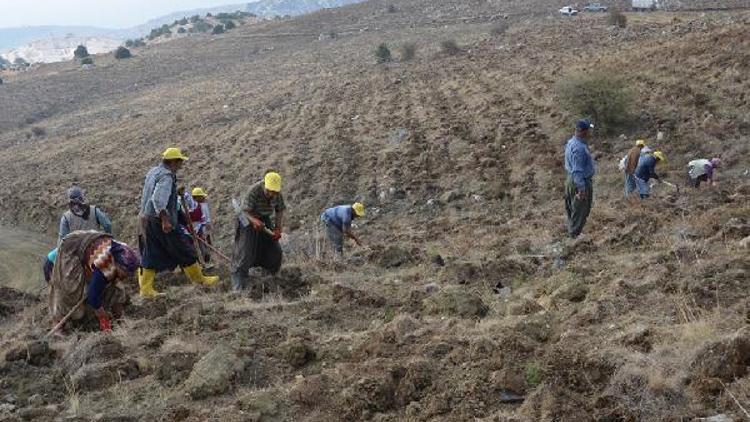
101 13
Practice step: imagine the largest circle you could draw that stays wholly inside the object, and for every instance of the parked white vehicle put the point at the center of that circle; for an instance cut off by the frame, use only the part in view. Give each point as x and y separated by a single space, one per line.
568 11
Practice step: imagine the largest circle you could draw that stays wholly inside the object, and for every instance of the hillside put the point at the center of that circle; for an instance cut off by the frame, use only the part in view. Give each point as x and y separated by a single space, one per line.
466 303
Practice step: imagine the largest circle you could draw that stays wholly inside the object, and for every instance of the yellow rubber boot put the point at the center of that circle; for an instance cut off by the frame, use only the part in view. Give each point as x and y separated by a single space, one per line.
195 274
146 279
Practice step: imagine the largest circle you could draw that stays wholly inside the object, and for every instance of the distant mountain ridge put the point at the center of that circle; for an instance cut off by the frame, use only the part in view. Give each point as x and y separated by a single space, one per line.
12 38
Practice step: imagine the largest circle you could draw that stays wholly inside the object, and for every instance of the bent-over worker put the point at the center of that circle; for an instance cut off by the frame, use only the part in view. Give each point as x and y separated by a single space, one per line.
338 222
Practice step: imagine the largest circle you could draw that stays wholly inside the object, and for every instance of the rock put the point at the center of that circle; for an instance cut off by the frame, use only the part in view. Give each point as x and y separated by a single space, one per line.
451 196
99 376
438 260
394 257
297 352
431 288
214 373
719 361
745 242
96 348
7 408
524 307
35 400
174 368
717 418
35 353
262 403
573 291
507 396
456 301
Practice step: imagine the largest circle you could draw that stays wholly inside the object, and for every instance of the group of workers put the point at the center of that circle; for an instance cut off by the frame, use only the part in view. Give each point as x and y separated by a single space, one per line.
88 264
639 166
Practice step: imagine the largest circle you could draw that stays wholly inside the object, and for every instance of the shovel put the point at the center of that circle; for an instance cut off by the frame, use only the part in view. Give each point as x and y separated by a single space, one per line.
242 216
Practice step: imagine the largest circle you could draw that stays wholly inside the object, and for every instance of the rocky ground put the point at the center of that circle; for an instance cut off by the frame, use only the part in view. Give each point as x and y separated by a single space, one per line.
467 302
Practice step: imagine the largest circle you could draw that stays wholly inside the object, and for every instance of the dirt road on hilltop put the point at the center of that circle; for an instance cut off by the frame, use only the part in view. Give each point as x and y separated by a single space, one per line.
21 255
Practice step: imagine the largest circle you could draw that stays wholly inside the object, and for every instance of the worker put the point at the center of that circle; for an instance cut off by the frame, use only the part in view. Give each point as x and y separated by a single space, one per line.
200 216
631 162
646 171
163 246
579 188
82 216
89 264
338 222
257 243
702 170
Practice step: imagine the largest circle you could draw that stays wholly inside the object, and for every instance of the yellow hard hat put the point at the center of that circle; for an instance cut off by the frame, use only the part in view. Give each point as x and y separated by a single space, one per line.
199 192
272 181
660 155
359 209
173 154
640 143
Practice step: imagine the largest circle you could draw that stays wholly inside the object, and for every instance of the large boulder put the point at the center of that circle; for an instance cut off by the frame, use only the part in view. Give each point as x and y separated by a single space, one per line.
214 373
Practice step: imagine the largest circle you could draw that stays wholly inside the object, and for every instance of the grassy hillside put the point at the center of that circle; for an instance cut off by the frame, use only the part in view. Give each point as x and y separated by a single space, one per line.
458 156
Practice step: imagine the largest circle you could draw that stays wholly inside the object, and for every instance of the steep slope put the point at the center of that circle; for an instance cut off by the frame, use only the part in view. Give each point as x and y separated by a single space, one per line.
459 159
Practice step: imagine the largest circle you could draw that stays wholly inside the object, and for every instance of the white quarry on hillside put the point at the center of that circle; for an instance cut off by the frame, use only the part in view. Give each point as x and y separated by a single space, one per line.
61 49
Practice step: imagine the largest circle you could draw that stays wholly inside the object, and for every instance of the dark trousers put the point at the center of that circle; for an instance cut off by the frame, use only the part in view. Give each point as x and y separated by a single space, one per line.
165 251
335 237
253 249
696 183
577 210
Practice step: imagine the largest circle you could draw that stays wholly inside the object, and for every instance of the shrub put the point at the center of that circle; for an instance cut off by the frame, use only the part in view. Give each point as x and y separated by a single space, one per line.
603 97
38 131
129 43
218 29
450 47
229 25
383 53
81 52
183 21
202 26
499 29
181 31
122 53
20 61
617 18
87 60
139 42
533 374
195 18
408 51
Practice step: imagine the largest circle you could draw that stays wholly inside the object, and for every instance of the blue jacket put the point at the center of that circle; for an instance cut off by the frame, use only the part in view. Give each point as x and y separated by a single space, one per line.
578 161
646 168
340 217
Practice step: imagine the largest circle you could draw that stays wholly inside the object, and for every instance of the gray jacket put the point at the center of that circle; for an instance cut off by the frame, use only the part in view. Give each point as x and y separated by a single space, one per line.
160 193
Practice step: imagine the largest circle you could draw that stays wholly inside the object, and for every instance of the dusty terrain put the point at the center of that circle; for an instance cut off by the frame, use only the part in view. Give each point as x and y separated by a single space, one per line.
467 303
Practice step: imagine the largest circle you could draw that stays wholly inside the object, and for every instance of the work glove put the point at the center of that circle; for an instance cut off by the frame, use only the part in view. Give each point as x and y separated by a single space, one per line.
276 234
105 323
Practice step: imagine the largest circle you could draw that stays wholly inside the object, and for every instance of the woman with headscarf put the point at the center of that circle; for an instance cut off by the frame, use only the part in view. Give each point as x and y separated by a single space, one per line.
89 265
82 216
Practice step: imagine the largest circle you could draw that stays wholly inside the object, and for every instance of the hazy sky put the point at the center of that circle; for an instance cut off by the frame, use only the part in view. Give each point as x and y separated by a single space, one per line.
102 13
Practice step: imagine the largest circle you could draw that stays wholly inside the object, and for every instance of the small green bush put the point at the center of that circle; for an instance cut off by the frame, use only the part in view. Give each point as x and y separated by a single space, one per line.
229 25
122 53
195 18
87 60
450 47
383 53
202 26
600 96
408 51
533 374
183 21
181 30
218 29
81 52
617 18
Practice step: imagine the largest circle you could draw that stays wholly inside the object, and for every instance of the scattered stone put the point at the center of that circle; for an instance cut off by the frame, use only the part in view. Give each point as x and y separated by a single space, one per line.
717 418
456 301
394 257
507 396
35 353
297 352
214 373
98 376
574 292
438 260
524 307
720 362
7 408
451 196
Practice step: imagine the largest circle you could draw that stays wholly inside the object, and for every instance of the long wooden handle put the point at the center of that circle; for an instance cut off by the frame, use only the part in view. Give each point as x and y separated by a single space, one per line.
213 249
66 317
